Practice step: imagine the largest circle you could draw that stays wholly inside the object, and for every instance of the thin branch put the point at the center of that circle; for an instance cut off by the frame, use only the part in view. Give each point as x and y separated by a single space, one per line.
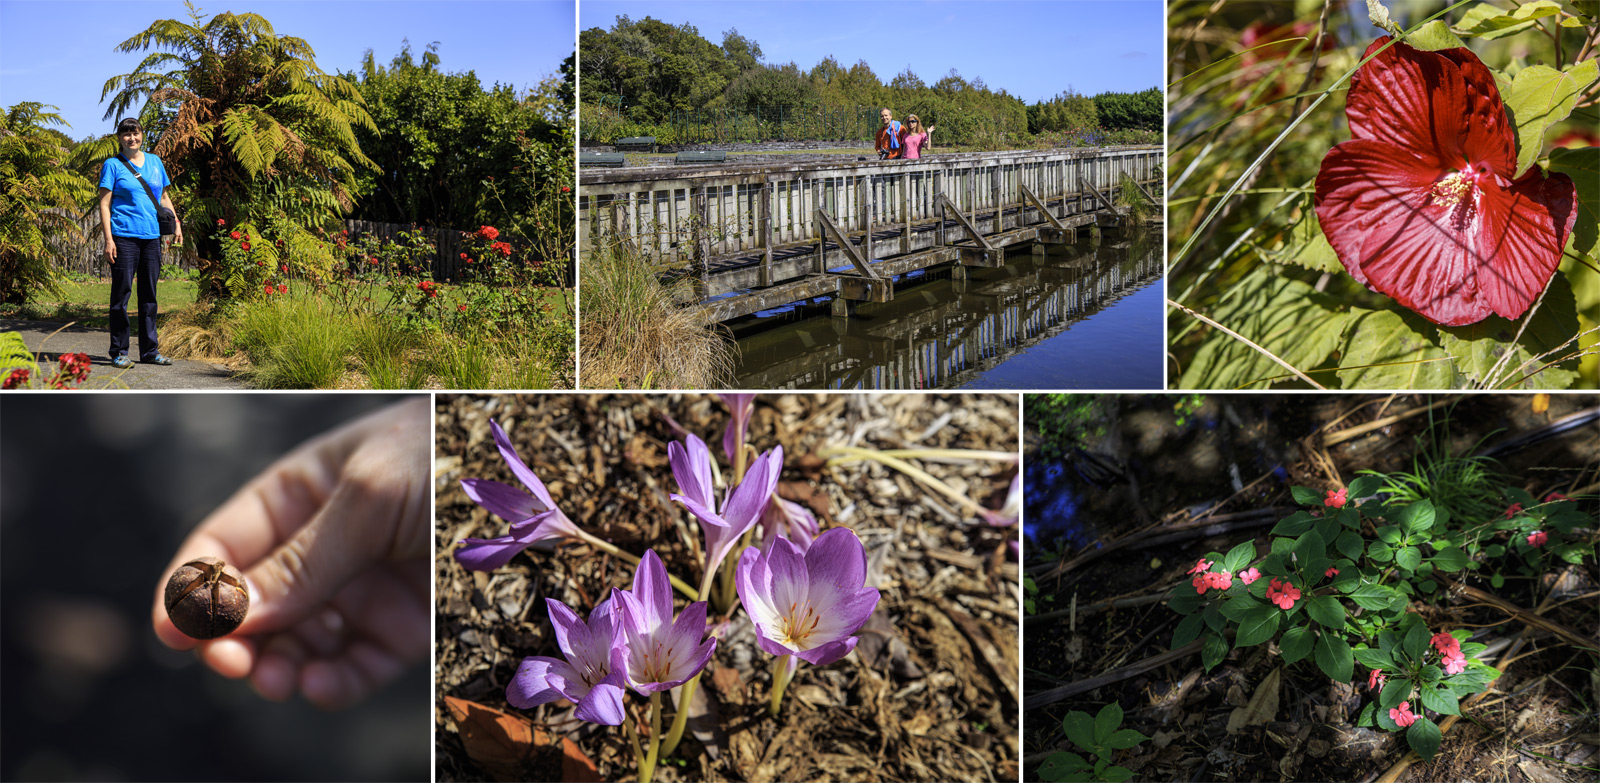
1241 338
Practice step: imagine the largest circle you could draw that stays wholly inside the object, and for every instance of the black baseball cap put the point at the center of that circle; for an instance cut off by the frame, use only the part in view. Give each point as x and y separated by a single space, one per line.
128 124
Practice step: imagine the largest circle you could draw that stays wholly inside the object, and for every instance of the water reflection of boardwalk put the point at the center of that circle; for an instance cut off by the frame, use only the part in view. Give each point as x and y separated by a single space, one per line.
947 334
756 236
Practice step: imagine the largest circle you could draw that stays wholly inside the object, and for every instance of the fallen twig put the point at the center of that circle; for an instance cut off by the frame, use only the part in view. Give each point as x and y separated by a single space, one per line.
1045 698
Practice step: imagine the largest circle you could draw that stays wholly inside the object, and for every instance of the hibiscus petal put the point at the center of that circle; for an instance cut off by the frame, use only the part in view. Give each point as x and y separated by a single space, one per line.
1441 106
518 467
1525 229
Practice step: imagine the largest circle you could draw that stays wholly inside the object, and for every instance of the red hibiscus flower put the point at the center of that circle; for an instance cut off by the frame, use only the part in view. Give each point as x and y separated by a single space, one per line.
1420 204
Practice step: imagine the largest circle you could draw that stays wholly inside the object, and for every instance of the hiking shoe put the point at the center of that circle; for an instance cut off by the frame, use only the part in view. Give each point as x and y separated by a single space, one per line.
121 362
158 359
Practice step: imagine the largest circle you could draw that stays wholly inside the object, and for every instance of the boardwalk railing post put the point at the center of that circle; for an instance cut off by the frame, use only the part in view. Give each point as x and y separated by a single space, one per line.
764 225
702 239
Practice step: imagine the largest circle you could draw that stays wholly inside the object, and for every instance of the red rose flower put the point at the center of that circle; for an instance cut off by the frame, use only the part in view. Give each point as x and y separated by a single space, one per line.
221 222
267 288
244 245
17 379
461 308
1420 204
489 232
283 289
234 235
565 189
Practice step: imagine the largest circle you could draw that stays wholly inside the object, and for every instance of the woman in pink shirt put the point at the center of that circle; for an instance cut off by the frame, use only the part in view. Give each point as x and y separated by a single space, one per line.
915 137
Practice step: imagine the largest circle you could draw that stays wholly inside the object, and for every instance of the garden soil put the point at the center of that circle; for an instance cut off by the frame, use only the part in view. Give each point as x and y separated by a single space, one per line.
1536 724
930 693
49 341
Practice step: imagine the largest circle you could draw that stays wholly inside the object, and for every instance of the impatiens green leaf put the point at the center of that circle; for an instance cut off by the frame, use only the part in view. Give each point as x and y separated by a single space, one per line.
1296 643
1367 712
1239 557
1326 610
1540 97
1258 626
1350 543
1236 609
1185 600
1294 524
1334 657
1214 650
1116 774
1424 738
1385 349
1311 545
1106 722
1373 597
1583 166
1408 558
1449 559
1079 728
1380 552
1125 738
1396 690
1213 615
1057 766
1306 496
1439 700
1416 641
1416 518
1430 673
1188 629
1374 659
1389 534
1486 20
1364 486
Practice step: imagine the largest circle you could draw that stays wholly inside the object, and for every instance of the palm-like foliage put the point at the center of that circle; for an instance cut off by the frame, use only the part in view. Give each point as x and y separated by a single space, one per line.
242 115
38 201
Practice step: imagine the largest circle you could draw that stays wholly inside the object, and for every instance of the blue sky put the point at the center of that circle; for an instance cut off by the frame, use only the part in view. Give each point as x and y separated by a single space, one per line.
62 52
1033 50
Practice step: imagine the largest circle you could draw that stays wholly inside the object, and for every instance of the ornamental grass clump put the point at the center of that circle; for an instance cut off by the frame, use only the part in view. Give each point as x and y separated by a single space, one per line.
1326 591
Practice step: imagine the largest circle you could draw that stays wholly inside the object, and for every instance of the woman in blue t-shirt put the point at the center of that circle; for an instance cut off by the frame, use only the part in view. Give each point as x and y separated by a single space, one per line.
133 239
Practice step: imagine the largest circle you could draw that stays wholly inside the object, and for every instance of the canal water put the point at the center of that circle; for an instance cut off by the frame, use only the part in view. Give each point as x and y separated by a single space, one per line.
1088 316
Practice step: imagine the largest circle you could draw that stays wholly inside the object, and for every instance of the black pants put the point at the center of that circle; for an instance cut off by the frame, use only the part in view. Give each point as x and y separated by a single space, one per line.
141 256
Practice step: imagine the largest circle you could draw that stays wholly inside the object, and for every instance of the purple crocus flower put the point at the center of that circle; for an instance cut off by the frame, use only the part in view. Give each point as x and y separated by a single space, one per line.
657 653
808 605
532 517
741 406
741 507
591 676
787 519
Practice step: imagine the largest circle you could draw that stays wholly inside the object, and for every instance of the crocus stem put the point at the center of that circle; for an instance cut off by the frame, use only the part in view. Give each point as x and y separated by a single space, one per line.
850 453
964 455
647 766
783 667
606 546
682 718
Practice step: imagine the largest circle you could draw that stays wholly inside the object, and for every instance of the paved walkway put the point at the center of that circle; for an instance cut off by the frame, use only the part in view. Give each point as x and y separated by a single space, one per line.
49 341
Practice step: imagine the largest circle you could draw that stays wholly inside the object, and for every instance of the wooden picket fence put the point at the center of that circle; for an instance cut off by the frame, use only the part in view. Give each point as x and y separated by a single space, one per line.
85 253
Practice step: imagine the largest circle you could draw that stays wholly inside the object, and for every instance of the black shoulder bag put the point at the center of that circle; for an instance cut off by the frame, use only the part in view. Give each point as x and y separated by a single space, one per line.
164 217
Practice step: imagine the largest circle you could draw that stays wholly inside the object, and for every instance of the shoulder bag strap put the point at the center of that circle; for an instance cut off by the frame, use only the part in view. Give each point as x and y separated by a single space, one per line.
135 173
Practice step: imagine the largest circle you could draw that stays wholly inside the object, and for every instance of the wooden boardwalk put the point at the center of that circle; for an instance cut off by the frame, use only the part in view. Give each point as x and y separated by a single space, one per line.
754 236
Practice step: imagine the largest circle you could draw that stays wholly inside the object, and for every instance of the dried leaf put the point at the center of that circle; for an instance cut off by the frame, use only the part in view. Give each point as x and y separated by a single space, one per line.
1263 705
1540 403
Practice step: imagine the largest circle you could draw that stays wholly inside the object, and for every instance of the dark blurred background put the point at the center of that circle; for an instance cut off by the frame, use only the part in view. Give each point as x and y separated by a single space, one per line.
96 492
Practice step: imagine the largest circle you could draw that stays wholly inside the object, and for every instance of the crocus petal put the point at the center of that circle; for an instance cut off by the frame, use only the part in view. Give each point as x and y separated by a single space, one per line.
502 500
747 500
837 559
487 554
691 467
789 519
541 680
654 592
830 652
519 468
753 578
740 406
603 703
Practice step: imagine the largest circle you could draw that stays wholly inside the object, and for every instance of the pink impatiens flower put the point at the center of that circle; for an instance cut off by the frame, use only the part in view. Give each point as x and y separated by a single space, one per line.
1201 565
808 605
1537 538
1515 509
1284 594
1331 572
1554 496
1212 581
1402 715
1249 575
1375 679
532 517
1449 648
1335 499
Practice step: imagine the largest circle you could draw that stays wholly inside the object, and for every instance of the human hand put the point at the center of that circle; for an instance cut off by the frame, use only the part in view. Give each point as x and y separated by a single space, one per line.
111 250
333 541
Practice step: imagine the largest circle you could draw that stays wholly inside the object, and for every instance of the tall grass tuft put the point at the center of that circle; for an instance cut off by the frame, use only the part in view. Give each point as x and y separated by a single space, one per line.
293 344
1139 208
381 347
634 334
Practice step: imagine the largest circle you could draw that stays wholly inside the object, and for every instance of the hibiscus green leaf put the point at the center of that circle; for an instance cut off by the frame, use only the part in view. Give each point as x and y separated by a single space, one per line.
1106 722
1188 630
1079 728
1334 657
1214 650
1289 318
1583 166
1258 626
1424 738
1408 558
1542 96
1305 245
1239 557
1397 690
1433 36
1450 559
1490 21
1350 544
1440 699
1388 349
1479 348
1296 643
1326 610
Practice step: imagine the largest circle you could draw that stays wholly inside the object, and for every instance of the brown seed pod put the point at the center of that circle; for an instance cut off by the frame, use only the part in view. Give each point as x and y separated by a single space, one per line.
207 598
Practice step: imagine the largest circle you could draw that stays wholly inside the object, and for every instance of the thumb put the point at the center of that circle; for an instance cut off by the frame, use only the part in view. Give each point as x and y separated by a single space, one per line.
350 533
